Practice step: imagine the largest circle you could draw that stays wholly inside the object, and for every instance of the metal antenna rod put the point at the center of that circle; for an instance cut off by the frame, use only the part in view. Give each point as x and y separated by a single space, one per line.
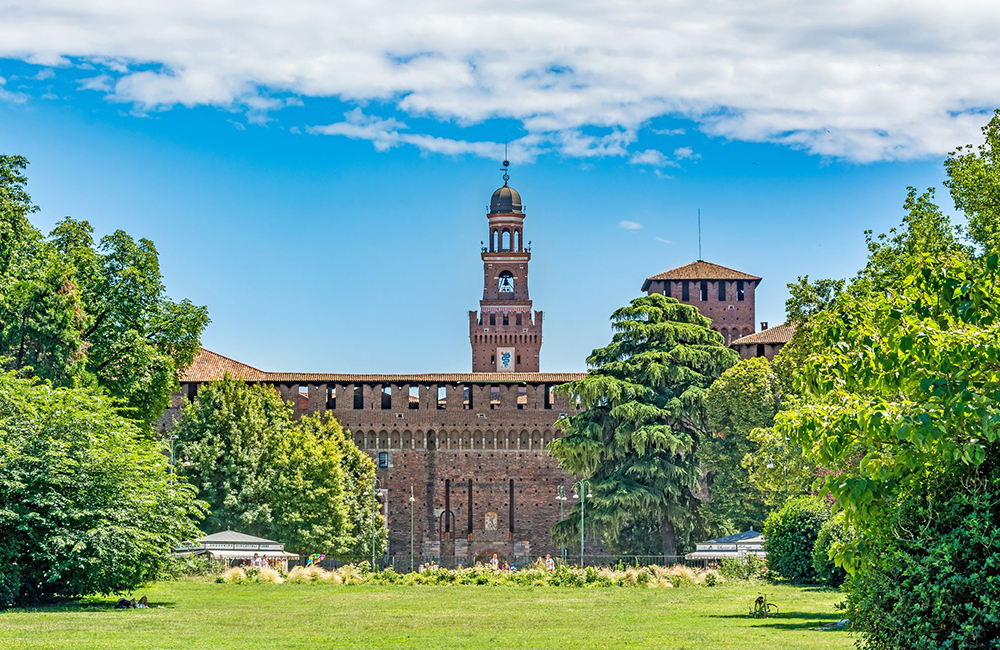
699 235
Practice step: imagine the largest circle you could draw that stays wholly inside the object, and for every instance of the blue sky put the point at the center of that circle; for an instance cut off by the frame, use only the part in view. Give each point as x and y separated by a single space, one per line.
332 223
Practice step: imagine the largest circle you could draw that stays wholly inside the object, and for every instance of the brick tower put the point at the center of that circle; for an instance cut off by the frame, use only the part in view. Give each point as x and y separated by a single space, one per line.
725 295
506 335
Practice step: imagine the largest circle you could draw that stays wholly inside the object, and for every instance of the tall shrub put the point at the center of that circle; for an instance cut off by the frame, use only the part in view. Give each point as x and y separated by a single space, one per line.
87 502
790 535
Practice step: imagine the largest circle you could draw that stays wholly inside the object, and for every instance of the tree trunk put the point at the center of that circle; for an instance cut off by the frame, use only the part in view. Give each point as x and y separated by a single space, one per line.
667 535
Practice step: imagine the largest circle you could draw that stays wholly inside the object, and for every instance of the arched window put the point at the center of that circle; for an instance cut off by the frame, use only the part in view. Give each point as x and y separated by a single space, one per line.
517 240
505 283
495 238
505 240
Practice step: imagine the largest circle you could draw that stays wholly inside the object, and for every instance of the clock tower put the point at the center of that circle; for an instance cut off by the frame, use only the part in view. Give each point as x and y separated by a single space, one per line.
506 335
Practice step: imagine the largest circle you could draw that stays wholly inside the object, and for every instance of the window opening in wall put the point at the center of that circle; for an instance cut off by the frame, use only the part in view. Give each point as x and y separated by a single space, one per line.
467 397
505 282
505 240
517 319
493 360
666 288
549 396
506 319
414 397
331 397
517 241
493 247
703 291
383 459
192 390
442 397
359 402
722 291
740 294
760 349
519 360
522 394
685 291
493 318
386 397
494 397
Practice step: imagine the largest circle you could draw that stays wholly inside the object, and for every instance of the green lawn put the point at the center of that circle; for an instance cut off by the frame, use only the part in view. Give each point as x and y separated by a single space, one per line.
198 615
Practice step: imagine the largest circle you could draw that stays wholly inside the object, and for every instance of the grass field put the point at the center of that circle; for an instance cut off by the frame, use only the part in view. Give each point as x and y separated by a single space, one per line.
202 615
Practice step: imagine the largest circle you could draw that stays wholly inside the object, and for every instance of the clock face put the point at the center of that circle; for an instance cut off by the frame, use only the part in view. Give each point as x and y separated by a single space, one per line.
506 282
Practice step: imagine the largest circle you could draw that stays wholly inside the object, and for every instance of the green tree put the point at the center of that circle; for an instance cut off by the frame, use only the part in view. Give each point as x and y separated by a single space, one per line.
806 298
359 471
300 482
77 313
643 412
225 435
138 340
906 389
87 504
974 183
790 536
41 313
745 397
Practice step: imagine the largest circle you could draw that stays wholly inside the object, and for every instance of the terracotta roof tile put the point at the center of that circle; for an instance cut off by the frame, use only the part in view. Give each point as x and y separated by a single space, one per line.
772 335
700 270
210 366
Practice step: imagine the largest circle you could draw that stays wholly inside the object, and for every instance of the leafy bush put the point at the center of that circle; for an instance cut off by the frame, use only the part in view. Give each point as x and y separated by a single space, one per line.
830 533
711 579
749 567
790 535
937 583
189 566
87 502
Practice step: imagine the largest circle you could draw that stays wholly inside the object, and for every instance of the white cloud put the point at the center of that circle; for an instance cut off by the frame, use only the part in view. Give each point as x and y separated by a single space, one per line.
629 225
100 83
857 79
668 131
663 241
651 157
11 96
682 153
45 73
385 134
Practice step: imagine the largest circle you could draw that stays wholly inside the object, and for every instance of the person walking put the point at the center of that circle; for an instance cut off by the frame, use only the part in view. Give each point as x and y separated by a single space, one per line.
550 564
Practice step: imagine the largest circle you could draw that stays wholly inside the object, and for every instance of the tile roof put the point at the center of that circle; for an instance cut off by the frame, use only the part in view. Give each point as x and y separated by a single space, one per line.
209 366
772 335
700 270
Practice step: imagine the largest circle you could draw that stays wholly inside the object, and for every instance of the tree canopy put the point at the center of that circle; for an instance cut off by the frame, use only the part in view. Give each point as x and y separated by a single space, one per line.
300 482
84 313
643 412
744 398
87 503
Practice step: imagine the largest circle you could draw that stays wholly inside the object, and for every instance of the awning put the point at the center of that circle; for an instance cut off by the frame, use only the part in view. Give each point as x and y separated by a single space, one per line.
249 554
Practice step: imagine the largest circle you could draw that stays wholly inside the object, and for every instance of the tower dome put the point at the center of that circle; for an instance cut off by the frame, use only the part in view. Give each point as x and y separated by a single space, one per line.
505 200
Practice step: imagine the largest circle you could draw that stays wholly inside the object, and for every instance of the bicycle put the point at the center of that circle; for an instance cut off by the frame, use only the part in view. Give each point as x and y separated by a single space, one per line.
763 609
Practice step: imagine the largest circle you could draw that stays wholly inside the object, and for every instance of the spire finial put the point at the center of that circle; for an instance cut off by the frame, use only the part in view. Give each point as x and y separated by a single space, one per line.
506 163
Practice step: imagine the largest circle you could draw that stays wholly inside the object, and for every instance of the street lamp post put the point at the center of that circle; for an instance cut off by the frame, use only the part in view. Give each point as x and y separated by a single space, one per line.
579 494
173 460
411 527
560 497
